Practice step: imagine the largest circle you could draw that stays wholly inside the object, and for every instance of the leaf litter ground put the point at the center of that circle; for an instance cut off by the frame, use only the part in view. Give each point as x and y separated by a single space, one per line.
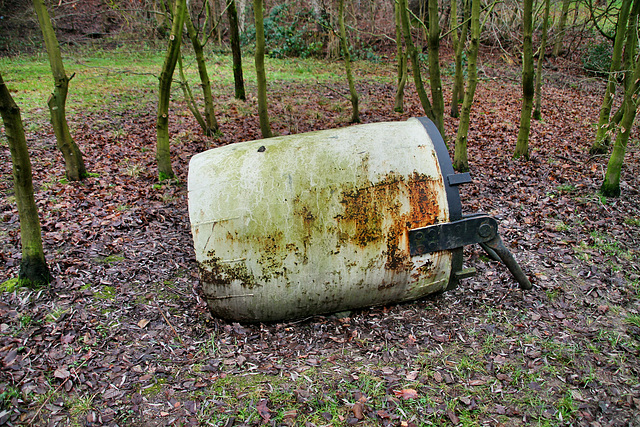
123 337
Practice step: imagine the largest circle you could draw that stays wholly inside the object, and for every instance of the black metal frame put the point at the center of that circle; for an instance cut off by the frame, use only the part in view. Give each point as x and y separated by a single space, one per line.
462 229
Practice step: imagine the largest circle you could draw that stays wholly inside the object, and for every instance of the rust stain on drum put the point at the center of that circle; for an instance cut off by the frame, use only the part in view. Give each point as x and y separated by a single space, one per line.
423 199
368 209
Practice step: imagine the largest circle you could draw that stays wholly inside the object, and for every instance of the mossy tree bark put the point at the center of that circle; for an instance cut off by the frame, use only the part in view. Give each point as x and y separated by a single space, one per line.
460 161
163 147
402 62
537 113
355 112
211 123
236 52
189 98
263 113
603 129
435 80
459 41
557 48
73 161
33 266
522 144
611 184
601 141
415 63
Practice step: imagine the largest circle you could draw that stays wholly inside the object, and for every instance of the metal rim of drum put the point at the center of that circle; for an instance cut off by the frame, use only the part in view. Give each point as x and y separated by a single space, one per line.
452 192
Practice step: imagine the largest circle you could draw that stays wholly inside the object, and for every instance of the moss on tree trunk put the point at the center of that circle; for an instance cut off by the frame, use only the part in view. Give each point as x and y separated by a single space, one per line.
163 147
460 161
537 113
75 169
401 57
415 63
209 110
457 94
33 266
435 80
601 141
236 52
522 144
263 113
355 112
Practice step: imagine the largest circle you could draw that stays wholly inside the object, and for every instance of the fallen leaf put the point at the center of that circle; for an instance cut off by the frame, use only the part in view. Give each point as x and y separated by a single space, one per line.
67 339
142 323
357 410
453 417
406 393
263 411
61 373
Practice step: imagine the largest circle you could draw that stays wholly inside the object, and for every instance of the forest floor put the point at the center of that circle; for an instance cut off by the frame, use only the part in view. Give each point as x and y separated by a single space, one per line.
123 336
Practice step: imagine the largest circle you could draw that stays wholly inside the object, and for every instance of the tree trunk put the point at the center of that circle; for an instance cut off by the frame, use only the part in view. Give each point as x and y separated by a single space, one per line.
209 110
258 13
458 47
415 63
600 143
435 80
557 48
33 266
163 148
73 162
460 161
543 46
215 15
522 145
241 9
402 63
189 98
611 185
236 52
355 113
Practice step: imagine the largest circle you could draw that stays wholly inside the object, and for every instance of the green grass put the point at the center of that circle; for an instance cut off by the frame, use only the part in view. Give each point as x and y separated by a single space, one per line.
124 81
633 319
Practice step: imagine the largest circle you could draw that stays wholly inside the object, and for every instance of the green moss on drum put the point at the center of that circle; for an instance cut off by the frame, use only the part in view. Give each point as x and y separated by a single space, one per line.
216 272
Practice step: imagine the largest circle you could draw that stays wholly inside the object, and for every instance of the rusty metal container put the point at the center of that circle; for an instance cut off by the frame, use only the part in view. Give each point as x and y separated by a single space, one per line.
326 221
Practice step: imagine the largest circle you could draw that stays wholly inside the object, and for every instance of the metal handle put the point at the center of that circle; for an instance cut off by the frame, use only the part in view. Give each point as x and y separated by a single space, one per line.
498 248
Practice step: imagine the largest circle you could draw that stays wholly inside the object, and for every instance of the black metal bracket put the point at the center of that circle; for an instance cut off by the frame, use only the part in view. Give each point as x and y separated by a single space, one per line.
481 229
461 230
451 235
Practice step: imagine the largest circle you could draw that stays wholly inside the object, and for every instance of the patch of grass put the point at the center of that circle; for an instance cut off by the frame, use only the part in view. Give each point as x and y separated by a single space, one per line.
134 170
608 246
566 407
55 314
7 394
107 292
79 406
633 319
111 259
154 388
632 221
566 188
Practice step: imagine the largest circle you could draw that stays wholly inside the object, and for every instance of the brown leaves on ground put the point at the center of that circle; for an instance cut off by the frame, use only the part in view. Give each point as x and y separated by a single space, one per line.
123 337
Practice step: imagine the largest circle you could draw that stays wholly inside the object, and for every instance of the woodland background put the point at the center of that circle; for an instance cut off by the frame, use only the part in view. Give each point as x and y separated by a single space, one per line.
121 336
